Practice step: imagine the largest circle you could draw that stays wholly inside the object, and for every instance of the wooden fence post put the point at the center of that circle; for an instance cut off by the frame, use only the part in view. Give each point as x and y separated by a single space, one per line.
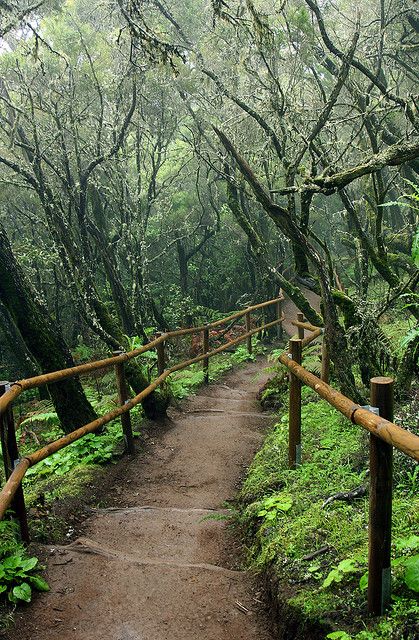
10 458
279 330
249 338
294 436
381 483
122 398
161 359
325 374
300 318
205 348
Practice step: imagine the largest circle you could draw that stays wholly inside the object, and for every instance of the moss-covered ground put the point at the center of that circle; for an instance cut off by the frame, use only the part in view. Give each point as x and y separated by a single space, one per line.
315 554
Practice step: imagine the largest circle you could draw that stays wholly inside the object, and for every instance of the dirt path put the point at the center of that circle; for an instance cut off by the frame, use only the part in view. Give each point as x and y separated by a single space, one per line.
290 310
155 566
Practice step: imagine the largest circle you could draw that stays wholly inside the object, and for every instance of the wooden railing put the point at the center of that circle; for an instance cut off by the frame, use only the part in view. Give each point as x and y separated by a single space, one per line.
16 467
384 435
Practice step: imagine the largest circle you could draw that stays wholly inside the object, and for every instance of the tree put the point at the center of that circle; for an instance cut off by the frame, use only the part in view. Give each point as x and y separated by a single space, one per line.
42 338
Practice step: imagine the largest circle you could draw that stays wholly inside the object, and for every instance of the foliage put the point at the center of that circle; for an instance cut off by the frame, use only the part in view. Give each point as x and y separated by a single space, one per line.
334 460
337 574
17 577
272 506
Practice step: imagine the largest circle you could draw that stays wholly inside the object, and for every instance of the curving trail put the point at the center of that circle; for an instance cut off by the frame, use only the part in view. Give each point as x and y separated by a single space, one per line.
154 565
290 310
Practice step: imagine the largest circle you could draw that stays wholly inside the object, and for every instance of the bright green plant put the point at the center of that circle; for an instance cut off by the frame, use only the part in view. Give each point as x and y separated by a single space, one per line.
47 418
337 574
274 505
133 342
338 635
89 450
17 577
411 571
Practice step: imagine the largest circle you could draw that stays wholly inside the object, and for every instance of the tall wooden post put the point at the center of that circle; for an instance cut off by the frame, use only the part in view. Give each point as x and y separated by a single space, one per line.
161 359
279 331
300 318
10 458
249 338
205 349
122 399
294 436
381 483
325 374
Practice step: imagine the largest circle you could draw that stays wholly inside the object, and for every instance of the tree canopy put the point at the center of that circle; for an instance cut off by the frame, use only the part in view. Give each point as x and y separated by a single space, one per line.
163 162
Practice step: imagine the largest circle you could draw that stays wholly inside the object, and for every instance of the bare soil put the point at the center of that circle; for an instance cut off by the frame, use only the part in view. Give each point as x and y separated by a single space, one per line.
154 564
290 310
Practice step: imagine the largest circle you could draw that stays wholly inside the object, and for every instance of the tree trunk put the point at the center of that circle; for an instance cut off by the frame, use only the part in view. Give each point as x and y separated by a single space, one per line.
407 368
15 358
42 338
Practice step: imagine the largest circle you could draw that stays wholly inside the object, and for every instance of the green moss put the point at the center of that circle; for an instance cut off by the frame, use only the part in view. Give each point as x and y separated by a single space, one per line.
334 459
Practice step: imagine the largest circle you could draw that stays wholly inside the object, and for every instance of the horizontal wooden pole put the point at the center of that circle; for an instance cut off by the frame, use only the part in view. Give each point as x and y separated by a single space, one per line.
39 455
217 323
56 376
388 431
304 325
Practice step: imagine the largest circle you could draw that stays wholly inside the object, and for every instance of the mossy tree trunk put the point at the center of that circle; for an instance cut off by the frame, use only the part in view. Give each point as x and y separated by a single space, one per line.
43 339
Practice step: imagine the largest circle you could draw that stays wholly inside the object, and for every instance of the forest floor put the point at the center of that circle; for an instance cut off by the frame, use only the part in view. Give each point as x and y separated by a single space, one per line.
156 561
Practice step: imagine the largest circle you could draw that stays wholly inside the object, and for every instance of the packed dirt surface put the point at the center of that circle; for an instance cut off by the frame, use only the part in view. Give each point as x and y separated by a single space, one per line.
156 563
290 310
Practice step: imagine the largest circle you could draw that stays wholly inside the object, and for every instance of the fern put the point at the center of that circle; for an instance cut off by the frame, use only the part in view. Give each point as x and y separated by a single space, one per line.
410 336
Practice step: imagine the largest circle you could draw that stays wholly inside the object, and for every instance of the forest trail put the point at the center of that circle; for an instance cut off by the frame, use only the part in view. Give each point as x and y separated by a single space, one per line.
153 565
290 310
156 564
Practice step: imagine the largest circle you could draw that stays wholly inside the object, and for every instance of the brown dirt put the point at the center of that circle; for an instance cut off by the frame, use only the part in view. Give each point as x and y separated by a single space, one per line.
151 565
290 310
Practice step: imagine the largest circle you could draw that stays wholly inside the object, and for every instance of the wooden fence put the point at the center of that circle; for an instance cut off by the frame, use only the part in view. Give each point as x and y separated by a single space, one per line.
384 435
16 468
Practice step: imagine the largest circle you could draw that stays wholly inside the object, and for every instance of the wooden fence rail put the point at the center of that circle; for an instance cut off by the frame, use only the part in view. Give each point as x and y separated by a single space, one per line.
384 435
15 468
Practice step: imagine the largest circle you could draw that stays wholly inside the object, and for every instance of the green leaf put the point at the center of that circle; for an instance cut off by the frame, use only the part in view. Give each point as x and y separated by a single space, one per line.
347 566
411 576
333 576
338 635
39 583
22 592
412 542
29 564
363 583
284 506
12 562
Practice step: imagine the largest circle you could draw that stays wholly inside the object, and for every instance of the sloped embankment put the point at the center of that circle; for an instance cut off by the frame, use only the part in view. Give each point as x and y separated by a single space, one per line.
306 530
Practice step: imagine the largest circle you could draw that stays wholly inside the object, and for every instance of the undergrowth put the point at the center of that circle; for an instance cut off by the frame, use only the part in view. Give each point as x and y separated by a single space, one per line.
18 571
317 552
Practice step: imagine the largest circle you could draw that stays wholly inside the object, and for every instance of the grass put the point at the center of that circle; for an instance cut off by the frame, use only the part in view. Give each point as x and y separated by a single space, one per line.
284 519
